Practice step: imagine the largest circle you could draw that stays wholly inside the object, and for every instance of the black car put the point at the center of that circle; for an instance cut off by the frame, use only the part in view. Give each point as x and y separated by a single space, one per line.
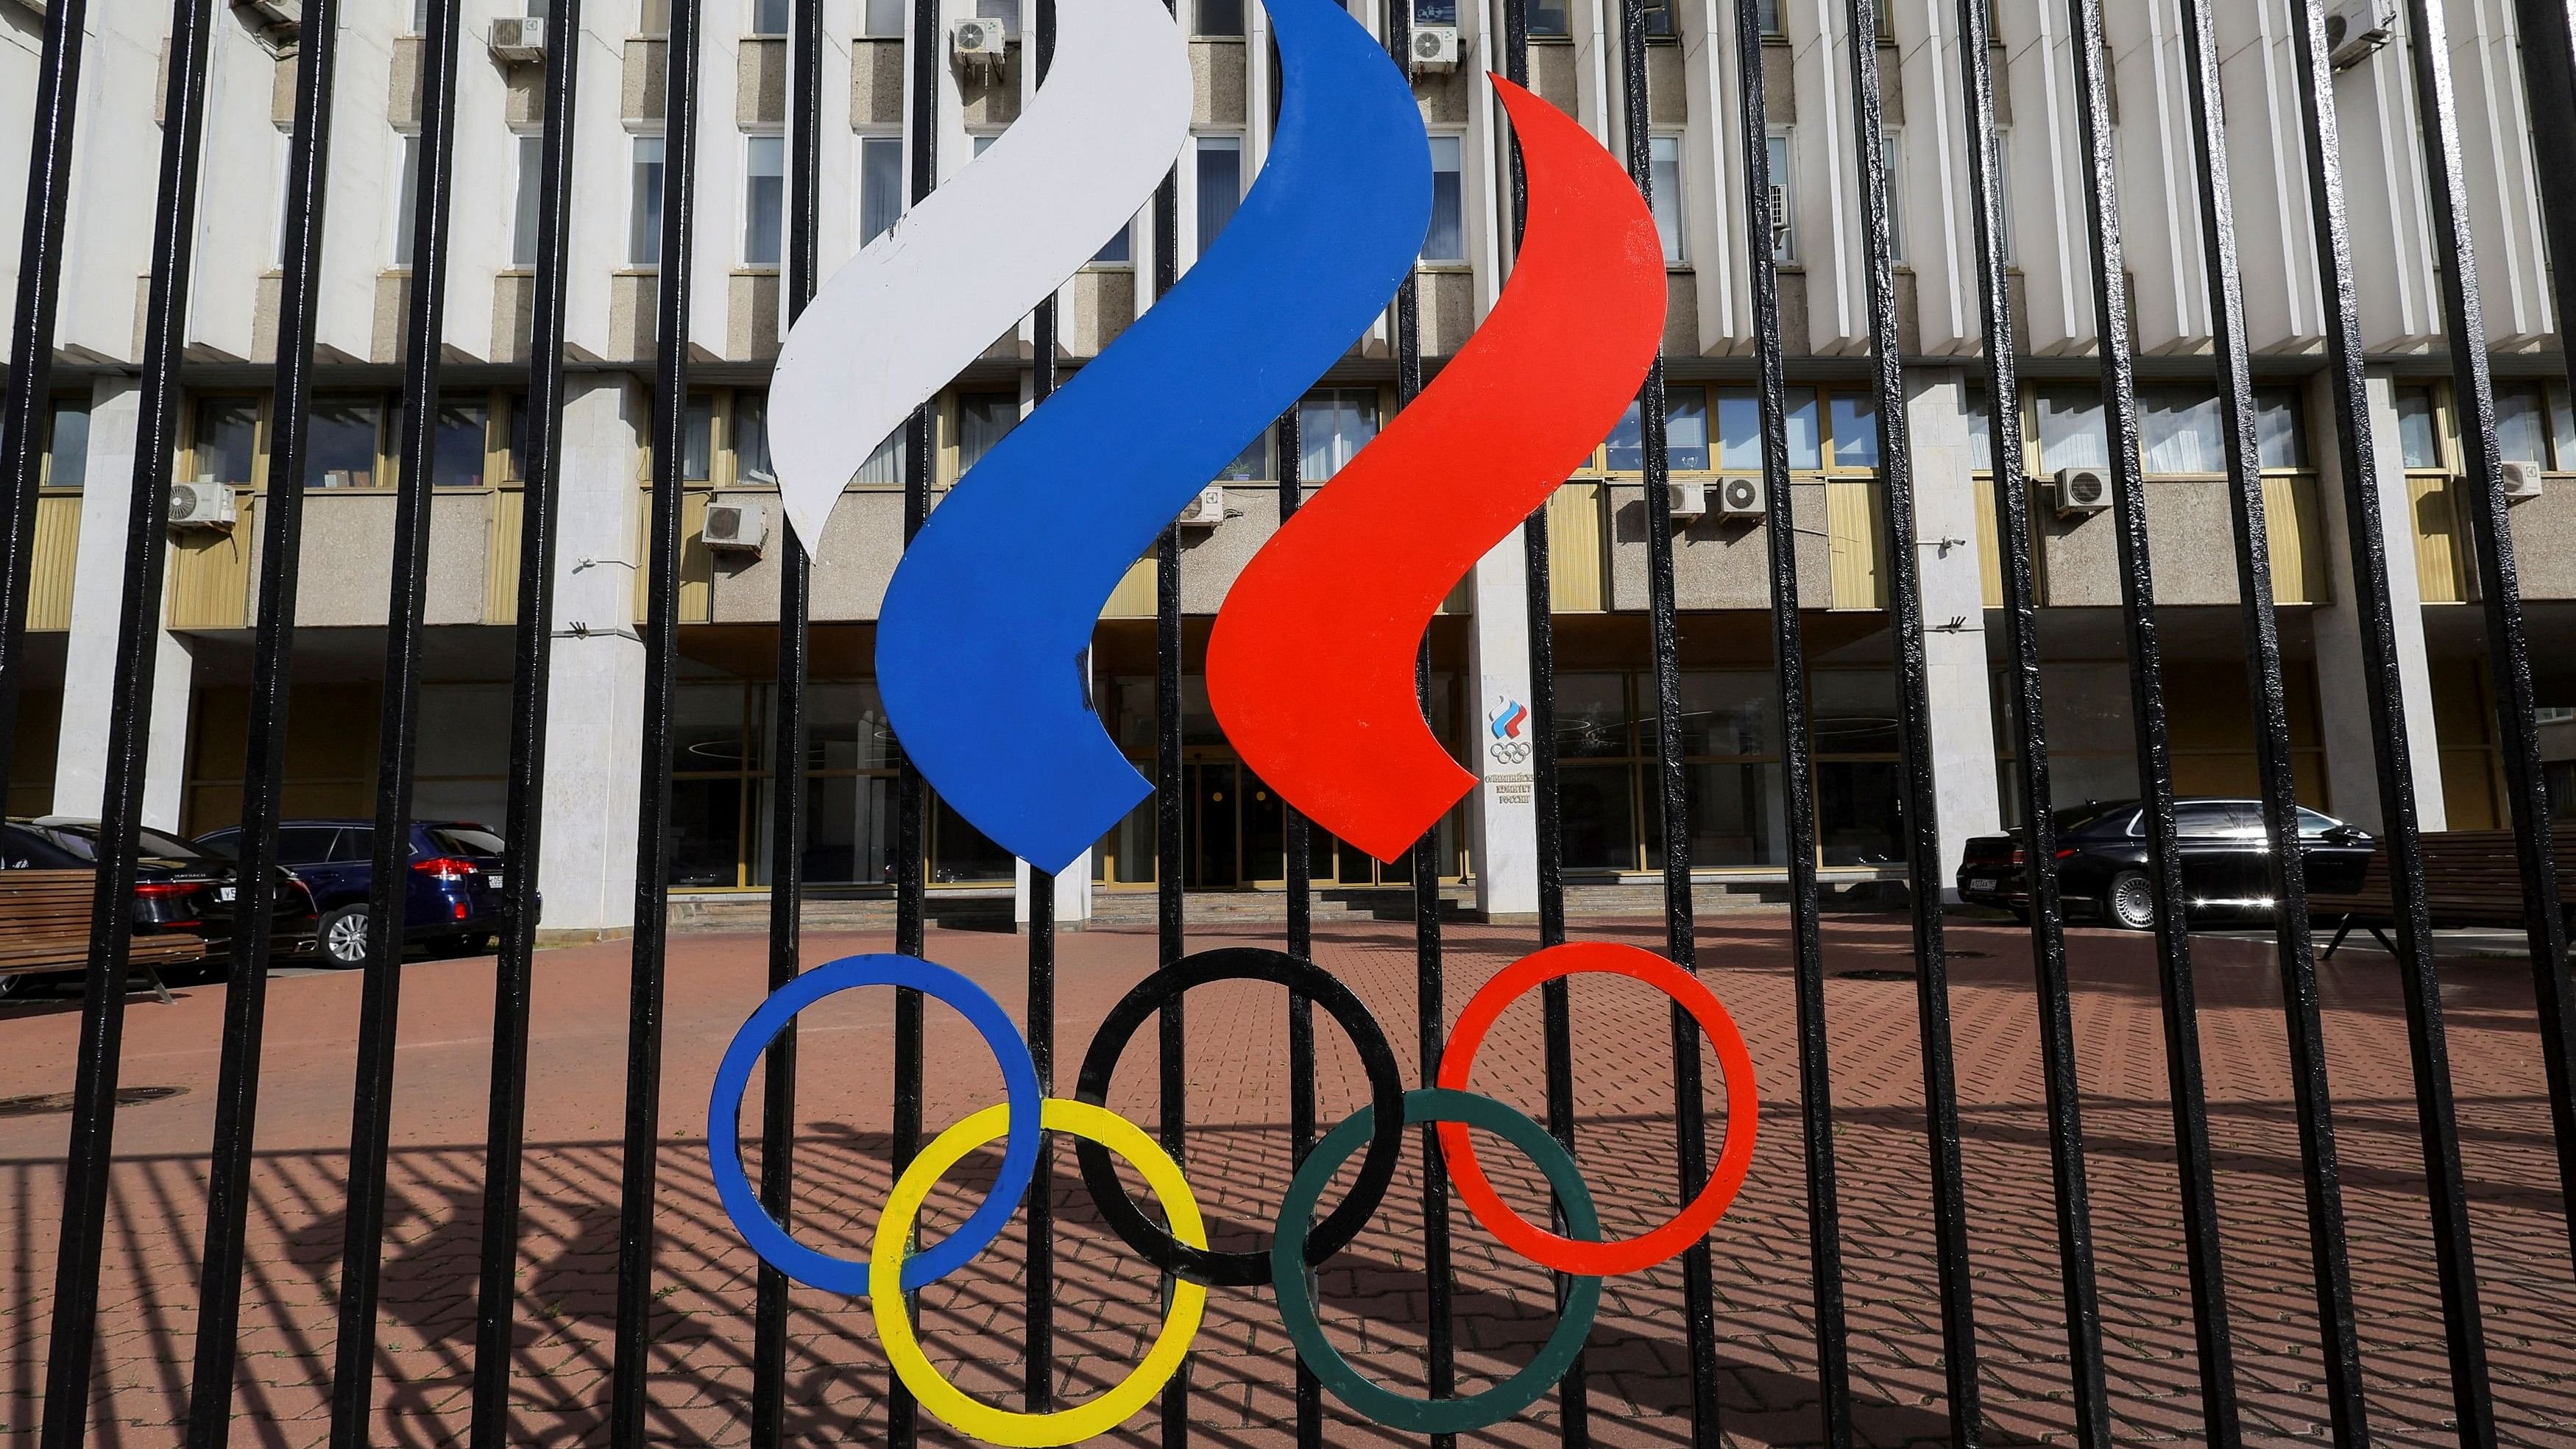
2102 861
177 887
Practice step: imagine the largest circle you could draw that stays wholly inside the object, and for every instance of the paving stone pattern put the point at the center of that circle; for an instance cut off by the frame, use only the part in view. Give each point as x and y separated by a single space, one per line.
1238 1160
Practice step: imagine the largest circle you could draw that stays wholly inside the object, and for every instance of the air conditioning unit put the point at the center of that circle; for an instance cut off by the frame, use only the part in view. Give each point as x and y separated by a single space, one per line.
1435 47
1686 501
205 503
736 523
1739 498
519 39
978 41
1207 510
1783 226
2521 481
2356 28
2082 490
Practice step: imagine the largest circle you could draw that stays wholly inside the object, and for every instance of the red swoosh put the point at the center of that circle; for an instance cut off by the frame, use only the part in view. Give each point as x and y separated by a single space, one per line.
1310 664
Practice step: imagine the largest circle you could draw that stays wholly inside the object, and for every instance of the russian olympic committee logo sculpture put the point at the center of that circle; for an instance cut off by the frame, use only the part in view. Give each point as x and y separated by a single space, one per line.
986 620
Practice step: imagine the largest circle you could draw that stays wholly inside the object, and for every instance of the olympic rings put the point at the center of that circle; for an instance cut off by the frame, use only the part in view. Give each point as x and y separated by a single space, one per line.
1386 1093
1297 1305
1298 1242
733 1078
1693 1222
1092 1126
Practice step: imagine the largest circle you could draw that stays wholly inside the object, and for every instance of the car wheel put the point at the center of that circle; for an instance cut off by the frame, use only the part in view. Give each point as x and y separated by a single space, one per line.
2130 904
344 936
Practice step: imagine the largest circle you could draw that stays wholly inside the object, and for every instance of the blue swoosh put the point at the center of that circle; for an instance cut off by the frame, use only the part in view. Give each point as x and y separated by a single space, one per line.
981 637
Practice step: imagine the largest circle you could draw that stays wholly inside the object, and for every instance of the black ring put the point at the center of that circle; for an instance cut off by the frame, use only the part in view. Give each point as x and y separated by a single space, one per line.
1386 1093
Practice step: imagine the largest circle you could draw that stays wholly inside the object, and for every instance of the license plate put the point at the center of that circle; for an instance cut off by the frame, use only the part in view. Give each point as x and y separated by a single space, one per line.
1981 885
224 894
495 881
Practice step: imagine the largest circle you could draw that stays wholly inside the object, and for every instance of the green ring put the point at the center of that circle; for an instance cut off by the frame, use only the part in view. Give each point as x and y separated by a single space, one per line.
1297 1306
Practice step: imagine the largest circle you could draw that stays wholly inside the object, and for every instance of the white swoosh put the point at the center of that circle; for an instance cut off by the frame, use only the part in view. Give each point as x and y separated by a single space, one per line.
901 319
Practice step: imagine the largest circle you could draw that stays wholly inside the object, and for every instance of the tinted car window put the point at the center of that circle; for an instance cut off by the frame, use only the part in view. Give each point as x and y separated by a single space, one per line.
2204 820
305 844
27 850
2312 825
355 845
465 840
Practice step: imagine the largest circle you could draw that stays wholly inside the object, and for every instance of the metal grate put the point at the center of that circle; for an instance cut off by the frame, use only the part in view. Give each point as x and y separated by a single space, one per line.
2549 68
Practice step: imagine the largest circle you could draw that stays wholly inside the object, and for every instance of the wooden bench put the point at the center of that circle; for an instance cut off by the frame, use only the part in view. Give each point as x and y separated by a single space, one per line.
2471 878
44 926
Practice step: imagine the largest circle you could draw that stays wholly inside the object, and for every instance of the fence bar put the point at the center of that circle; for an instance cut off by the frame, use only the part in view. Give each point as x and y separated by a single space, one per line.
1170 919
2201 1228
1990 204
91 1153
1556 1010
788 762
2548 78
2490 527
210 1398
541 509
1038 1383
26 400
1690 1126
638 1180
1797 750
1299 835
1922 798
380 1003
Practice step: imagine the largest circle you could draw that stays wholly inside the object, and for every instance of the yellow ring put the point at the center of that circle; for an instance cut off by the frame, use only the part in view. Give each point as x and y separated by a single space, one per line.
903 1347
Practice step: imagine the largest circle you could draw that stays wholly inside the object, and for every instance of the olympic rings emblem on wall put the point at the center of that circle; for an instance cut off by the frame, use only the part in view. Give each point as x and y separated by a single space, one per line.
1509 752
1298 1243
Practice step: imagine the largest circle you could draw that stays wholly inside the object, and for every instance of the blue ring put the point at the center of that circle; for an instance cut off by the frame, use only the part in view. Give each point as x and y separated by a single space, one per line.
1019 1147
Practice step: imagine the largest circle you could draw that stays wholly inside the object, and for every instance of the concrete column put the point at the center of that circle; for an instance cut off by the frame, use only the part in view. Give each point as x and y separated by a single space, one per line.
595 689
89 676
1504 813
2343 683
1072 892
1954 615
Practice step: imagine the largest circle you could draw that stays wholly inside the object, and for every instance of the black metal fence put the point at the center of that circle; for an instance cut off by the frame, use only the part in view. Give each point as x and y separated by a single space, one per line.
2550 76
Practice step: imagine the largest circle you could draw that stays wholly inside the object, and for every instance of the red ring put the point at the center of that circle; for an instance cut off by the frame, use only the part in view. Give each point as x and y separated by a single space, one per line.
1743 1107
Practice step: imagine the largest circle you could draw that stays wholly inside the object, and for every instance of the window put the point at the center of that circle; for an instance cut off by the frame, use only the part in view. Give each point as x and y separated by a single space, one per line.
1854 418
1250 465
764 198
1447 239
2280 430
1784 202
406 191
768 17
2070 429
884 18
1220 19
2003 183
884 467
456 452
226 439
67 443
1685 435
1768 13
420 17
2419 436
1005 11
698 439
1333 424
523 225
1891 153
1220 181
1739 430
1435 12
2181 431
285 201
1664 176
2523 425
1119 250
880 185
342 443
1657 18
1550 20
751 439
982 420
644 213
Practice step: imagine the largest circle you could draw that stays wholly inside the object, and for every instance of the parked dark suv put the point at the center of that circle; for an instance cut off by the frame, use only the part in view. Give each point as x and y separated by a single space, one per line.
453 901
2102 861
177 886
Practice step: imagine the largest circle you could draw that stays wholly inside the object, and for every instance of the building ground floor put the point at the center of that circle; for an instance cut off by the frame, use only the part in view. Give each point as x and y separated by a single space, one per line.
1234 837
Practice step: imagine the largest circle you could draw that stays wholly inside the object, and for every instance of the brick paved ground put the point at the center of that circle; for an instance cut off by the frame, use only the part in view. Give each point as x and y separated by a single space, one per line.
1238 1161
